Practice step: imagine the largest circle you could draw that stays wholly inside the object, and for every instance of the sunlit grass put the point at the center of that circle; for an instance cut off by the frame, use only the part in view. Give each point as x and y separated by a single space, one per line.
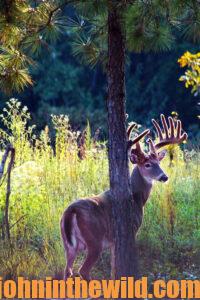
46 179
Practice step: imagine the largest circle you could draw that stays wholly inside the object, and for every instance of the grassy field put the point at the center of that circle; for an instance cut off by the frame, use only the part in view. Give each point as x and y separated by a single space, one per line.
47 178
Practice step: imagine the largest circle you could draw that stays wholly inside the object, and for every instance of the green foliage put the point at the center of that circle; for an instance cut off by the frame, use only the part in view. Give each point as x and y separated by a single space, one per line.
14 74
192 75
90 50
89 38
27 27
15 119
45 181
64 87
148 28
173 231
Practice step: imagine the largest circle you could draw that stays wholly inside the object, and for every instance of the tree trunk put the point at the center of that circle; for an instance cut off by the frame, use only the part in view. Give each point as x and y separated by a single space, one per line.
124 254
5 223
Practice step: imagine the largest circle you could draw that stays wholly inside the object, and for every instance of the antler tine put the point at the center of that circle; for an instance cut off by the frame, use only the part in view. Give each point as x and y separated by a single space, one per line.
140 136
184 137
136 139
181 136
138 148
158 129
172 128
138 152
130 128
165 126
173 134
179 127
151 146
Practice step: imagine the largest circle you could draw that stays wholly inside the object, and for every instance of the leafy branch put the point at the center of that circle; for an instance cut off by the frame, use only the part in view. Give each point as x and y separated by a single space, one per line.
192 74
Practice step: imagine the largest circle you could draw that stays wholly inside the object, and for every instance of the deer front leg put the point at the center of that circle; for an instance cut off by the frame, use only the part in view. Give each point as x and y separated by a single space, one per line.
92 256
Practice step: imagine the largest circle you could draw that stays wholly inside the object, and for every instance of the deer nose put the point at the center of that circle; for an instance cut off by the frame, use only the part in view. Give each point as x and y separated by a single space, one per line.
163 178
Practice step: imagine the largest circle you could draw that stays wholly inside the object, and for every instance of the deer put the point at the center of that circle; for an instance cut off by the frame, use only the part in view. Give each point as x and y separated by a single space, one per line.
86 224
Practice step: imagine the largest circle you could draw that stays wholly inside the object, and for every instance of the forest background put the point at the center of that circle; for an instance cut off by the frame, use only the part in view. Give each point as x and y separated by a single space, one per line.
63 85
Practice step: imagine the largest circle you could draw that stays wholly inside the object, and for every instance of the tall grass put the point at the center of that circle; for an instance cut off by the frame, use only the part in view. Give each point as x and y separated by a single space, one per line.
47 178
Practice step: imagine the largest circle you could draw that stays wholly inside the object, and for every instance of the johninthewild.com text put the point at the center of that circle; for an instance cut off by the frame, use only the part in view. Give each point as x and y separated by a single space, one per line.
126 287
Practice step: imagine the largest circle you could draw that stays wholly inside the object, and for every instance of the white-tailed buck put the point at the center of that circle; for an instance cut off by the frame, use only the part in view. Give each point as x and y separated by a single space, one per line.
86 224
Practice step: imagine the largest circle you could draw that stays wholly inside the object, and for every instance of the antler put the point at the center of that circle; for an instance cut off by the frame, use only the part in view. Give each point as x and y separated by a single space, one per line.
137 139
172 134
152 147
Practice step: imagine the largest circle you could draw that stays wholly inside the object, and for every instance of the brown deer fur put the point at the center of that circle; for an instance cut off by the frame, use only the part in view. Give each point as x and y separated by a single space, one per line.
86 224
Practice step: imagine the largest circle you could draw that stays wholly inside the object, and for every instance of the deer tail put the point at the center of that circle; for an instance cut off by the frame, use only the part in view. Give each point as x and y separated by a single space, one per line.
66 225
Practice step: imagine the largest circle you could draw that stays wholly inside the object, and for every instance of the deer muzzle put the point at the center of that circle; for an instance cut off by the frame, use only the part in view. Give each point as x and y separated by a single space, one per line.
163 178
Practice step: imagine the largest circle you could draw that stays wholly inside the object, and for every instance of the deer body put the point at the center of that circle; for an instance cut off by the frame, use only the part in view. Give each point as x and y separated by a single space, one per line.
86 224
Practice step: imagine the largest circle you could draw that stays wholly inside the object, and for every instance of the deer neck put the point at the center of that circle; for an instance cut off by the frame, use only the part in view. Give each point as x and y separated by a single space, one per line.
140 186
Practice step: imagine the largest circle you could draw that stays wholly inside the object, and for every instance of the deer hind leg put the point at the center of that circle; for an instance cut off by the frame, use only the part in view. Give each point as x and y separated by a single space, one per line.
93 254
71 253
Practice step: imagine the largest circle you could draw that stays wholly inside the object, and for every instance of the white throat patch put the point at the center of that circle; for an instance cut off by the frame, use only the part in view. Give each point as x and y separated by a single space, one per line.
148 180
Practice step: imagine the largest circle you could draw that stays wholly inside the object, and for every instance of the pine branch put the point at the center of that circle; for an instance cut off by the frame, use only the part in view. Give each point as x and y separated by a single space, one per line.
51 14
53 11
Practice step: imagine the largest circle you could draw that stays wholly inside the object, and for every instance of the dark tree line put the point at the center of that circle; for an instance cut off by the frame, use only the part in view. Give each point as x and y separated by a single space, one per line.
62 85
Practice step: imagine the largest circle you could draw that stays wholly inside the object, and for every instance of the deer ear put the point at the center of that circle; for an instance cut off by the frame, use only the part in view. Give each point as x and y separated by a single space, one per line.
162 154
133 158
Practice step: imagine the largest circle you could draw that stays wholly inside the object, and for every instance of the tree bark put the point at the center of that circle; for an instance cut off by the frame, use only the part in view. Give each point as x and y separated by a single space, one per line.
8 192
5 223
124 254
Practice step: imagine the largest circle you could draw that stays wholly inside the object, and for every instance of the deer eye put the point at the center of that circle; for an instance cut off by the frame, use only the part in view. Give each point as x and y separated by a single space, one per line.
147 165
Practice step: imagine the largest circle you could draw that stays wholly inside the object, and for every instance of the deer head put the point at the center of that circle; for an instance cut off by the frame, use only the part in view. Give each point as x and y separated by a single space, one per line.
149 163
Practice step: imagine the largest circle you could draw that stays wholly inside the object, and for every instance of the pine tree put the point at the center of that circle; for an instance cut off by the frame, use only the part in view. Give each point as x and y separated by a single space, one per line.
102 31
28 26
